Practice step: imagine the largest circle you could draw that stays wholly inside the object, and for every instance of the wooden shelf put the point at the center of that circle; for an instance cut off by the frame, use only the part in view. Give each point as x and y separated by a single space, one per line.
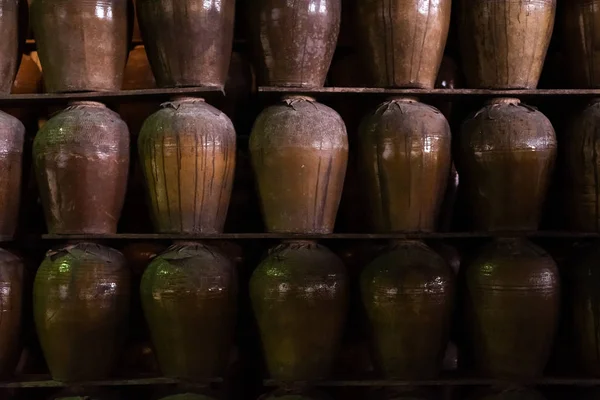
44 382
337 236
120 96
431 92
439 382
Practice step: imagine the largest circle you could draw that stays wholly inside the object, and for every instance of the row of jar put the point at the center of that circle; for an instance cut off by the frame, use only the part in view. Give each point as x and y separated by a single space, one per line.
300 151
300 293
402 43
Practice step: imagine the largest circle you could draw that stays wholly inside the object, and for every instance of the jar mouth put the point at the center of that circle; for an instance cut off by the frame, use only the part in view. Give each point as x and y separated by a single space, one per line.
295 97
503 100
86 103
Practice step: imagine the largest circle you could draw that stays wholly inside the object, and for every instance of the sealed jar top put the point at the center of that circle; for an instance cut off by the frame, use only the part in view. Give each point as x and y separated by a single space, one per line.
504 100
86 103
403 99
187 99
296 97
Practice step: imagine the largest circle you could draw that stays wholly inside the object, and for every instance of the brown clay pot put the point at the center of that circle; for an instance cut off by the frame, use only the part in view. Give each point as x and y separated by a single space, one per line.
189 296
11 297
582 166
581 33
402 42
299 152
408 294
188 41
82 45
81 159
187 153
29 76
81 302
511 309
295 41
504 42
584 284
505 160
299 294
404 152
10 55
12 139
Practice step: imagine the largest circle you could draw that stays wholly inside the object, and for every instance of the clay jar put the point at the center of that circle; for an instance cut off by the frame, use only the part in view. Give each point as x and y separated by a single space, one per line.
299 294
12 139
188 41
81 160
83 45
407 293
505 159
581 170
299 152
404 153
295 41
581 33
511 309
504 42
11 298
81 302
187 154
10 56
189 296
402 42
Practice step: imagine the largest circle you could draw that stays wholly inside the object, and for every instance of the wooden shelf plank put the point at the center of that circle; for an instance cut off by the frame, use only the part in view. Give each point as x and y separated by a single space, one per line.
431 92
36 382
439 382
338 236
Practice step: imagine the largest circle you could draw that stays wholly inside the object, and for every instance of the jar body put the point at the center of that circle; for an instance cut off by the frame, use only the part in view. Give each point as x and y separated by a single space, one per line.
11 297
582 32
187 154
12 140
81 158
10 26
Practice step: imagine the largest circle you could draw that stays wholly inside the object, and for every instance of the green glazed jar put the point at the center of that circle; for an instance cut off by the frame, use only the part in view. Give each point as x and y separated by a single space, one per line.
189 297
512 303
408 295
299 294
81 300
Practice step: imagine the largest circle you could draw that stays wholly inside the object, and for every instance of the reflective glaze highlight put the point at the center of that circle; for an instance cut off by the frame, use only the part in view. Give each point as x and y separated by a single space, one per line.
402 41
404 153
408 296
81 304
511 309
189 296
295 41
81 160
581 40
504 42
11 306
10 54
82 44
188 41
187 153
299 294
505 160
299 152
582 166
12 139
584 273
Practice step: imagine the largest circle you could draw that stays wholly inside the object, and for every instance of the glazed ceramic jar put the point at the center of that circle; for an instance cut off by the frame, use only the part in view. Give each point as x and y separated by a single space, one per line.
581 21
187 154
82 45
299 294
295 41
12 139
81 160
299 152
402 42
12 283
504 42
81 302
404 155
11 25
188 41
505 159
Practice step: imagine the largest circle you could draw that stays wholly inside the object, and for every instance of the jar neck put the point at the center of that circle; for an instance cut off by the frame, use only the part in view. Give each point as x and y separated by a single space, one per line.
503 100
296 97
403 99
187 99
